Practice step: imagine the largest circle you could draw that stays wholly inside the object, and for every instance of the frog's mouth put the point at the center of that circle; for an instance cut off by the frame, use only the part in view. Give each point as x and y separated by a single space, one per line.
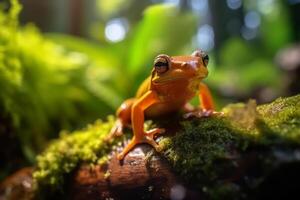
160 80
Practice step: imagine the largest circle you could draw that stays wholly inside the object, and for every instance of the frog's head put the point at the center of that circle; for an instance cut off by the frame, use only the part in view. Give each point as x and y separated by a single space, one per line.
168 69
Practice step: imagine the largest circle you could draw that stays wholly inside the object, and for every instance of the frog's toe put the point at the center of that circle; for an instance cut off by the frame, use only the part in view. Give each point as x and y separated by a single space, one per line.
208 113
151 141
197 114
128 148
120 156
158 148
202 113
155 131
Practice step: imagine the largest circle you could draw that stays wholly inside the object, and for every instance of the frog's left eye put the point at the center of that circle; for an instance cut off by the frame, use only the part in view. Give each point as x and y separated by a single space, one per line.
161 64
205 60
201 54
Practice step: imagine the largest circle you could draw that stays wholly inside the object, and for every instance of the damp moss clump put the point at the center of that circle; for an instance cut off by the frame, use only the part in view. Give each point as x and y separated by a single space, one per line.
65 153
281 118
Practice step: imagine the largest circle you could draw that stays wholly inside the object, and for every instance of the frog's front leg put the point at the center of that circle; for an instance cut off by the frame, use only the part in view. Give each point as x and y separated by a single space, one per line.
137 121
207 107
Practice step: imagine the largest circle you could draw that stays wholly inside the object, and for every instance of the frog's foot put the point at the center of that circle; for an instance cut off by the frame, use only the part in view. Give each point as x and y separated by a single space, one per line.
148 137
154 132
202 113
116 130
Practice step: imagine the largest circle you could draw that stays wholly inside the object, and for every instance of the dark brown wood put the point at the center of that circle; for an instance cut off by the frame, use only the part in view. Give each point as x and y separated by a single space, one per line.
134 178
140 178
18 186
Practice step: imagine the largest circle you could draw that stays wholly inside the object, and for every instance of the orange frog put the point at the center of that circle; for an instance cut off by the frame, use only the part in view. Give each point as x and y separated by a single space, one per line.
173 82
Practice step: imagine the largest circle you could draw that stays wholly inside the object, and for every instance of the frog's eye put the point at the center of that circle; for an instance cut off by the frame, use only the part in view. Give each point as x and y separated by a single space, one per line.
205 60
161 64
201 54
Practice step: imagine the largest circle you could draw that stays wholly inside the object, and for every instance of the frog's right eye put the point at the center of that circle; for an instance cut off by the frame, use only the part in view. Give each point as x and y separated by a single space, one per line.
161 64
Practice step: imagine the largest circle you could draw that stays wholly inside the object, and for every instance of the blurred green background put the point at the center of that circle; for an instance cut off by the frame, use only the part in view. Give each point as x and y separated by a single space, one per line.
66 63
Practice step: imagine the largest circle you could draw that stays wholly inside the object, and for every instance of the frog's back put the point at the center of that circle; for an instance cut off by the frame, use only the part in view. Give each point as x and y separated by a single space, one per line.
144 87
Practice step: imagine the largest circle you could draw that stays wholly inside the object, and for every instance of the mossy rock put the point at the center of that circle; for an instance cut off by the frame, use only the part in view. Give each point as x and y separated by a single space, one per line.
231 156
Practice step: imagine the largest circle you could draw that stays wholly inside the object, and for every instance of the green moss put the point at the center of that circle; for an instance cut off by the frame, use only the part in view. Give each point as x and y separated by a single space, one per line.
200 151
282 117
64 154
201 142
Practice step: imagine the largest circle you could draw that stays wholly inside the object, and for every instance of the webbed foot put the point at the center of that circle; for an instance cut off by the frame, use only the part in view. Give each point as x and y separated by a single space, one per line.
148 137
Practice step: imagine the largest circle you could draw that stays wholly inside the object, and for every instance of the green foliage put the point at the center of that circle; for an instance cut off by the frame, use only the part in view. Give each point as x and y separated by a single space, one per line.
246 67
44 87
155 35
132 59
276 28
109 8
103 74
235 53
243 68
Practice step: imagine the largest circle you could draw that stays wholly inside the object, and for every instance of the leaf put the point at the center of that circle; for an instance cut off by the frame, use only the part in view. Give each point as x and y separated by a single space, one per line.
156 34
102 55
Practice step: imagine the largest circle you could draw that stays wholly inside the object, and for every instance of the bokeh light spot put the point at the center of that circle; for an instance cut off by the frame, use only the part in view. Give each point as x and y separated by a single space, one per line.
234 4
252 19
205 37
177 192
200 6
115 30
266 6
173 2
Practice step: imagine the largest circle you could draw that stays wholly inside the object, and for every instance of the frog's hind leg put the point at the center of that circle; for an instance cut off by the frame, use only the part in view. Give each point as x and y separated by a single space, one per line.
123 119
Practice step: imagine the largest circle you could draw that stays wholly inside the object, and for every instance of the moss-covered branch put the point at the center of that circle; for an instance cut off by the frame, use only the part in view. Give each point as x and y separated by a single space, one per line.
203 151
